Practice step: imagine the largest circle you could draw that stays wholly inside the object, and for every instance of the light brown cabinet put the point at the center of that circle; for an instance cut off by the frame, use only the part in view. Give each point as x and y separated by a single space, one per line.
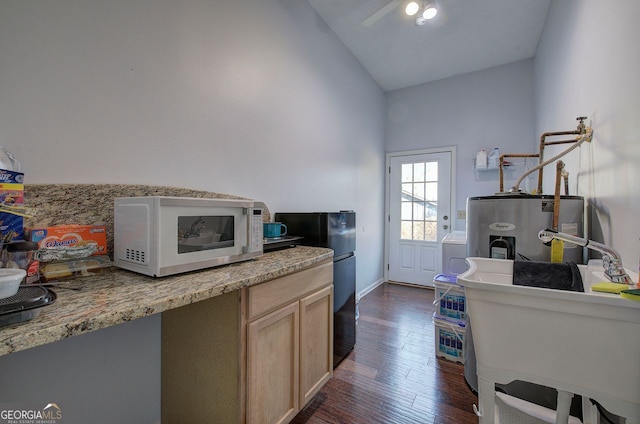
290 344
316 342
273 371
256 355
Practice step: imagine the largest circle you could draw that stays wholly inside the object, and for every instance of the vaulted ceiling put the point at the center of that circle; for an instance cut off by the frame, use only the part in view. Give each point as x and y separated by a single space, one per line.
465 36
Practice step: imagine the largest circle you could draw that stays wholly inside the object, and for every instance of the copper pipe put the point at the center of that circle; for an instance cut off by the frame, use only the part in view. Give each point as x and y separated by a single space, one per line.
586 136
549 143
579 131
512 155
556 196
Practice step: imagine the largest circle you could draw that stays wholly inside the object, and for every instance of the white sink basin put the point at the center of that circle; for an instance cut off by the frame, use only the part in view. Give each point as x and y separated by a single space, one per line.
581 343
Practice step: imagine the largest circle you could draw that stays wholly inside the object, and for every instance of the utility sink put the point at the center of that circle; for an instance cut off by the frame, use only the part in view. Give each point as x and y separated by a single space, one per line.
579 343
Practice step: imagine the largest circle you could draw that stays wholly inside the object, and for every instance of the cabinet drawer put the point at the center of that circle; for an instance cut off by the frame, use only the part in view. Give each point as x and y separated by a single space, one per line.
268 296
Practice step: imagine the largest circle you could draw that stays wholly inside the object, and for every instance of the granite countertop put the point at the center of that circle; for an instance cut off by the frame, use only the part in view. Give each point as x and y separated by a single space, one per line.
92 303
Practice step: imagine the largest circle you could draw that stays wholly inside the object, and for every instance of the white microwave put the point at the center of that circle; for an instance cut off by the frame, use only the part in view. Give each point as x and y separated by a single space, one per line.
161 236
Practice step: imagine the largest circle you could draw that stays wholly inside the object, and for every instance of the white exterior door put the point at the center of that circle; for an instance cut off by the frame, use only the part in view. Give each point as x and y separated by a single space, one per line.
419 208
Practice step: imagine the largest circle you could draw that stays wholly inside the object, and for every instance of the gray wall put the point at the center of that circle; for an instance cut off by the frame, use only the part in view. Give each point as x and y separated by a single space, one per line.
484 109
255 98
108 376
587 64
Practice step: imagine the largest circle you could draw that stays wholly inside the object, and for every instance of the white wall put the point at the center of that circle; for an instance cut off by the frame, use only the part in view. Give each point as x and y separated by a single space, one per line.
484 109
256 98
587 63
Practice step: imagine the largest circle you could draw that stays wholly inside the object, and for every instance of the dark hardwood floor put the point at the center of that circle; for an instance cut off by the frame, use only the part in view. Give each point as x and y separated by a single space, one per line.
393 375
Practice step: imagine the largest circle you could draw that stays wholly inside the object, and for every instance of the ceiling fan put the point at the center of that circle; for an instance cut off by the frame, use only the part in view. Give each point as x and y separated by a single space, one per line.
381 13
427 8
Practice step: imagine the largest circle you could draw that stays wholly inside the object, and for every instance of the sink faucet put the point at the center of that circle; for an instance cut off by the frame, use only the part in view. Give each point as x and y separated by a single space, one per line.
194 231
611 260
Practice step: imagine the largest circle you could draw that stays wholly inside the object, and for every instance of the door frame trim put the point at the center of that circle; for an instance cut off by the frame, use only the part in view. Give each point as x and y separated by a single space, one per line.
387 206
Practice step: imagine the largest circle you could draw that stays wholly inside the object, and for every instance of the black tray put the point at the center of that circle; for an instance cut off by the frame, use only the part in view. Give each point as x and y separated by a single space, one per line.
276 243
25 305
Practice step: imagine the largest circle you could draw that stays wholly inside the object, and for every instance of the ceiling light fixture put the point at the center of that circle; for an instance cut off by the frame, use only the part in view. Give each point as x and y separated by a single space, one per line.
428 10
412 8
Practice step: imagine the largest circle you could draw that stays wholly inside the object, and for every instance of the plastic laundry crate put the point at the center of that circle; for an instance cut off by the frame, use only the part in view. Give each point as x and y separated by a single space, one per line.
449 339
449 298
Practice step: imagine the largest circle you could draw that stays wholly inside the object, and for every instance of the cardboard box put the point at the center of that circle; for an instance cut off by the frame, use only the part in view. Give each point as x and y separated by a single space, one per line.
11 194
71 236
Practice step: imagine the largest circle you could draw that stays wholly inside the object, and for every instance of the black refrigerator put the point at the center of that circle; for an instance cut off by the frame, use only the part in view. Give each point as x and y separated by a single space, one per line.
337 231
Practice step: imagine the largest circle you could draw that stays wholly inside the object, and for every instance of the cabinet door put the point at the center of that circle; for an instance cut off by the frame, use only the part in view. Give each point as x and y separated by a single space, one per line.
273 366
316 342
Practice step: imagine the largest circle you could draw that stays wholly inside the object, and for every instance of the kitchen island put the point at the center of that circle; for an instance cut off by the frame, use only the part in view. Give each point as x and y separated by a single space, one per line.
105 302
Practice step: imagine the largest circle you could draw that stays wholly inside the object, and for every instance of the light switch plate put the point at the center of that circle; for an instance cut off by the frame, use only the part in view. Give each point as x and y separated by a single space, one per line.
462 214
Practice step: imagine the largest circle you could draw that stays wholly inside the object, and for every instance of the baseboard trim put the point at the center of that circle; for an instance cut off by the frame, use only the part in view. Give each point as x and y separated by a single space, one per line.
419 286
369 289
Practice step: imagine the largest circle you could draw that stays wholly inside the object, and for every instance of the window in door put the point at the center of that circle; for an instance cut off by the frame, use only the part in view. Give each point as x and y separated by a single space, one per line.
419 201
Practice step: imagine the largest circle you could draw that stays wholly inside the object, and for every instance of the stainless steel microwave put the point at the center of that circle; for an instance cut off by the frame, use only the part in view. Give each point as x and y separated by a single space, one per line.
161 236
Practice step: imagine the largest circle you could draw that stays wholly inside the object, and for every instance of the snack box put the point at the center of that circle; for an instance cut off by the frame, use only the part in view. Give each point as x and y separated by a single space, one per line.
11 194
67 270
69 241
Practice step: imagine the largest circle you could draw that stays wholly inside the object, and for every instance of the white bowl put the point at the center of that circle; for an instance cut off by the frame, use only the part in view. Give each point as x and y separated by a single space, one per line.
10 279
